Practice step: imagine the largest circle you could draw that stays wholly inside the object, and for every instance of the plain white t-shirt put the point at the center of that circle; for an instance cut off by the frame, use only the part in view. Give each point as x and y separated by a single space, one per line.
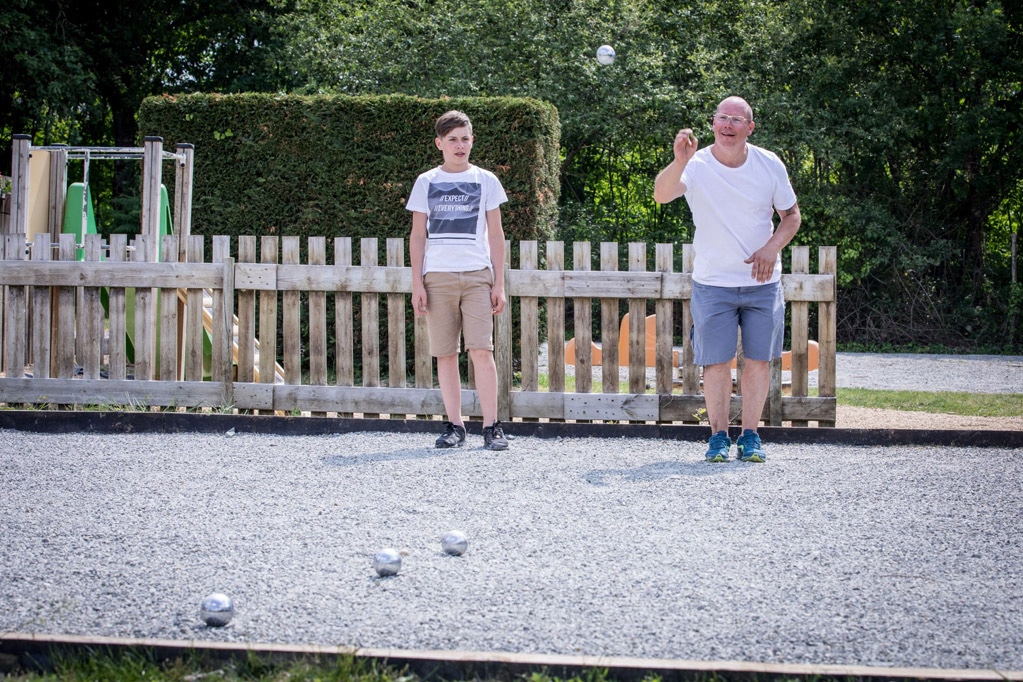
456 206
733 210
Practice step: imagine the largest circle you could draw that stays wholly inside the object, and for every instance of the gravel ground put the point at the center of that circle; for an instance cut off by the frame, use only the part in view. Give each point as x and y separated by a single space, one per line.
897 371
896 556
885 556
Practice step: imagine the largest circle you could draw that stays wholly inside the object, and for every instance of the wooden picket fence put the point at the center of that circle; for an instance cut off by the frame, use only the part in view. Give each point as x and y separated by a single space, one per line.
66 317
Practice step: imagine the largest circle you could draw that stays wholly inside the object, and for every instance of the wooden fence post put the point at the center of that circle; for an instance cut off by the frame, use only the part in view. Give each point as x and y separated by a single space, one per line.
226 334
827 264
169 366
556 323
609 327
20 155
268 248
58 191
583 320
369 256
117 297
63 352
152 176
503 348
222 319
396 314
194 327
529 321
91 314
344 336
800 328
637 324
145 315
690 372
183 197
15 309
317 250
42 301
664 309
246 353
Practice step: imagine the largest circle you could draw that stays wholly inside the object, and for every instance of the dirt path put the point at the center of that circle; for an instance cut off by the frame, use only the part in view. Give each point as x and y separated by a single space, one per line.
868 418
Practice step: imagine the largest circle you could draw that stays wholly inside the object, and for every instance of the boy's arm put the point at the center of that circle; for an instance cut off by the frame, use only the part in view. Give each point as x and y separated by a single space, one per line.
417 254
495 237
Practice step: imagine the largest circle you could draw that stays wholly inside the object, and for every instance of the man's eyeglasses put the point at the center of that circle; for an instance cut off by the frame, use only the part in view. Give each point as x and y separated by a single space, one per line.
734 120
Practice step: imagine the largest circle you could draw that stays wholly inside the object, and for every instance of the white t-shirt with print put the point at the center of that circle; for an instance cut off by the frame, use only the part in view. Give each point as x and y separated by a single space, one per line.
733 210
456 206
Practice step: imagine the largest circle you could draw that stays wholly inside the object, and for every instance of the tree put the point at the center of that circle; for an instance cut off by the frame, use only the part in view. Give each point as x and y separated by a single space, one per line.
92 62
898 119
614 118
43 78
902 119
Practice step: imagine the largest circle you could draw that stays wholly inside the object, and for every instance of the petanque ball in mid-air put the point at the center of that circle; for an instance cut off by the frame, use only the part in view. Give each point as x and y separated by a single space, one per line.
454 542
217 610
606 55
387 562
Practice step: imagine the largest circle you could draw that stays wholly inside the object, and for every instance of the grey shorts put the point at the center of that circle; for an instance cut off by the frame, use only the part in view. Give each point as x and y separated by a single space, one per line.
719 313
458 304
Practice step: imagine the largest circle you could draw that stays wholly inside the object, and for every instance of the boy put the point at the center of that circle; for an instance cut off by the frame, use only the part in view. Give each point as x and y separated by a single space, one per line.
457 252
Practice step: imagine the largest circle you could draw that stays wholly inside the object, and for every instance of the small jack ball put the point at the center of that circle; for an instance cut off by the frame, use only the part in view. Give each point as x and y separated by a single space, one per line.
606 55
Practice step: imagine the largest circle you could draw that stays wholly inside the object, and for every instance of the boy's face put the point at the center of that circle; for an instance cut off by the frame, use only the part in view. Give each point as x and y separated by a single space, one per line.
455 146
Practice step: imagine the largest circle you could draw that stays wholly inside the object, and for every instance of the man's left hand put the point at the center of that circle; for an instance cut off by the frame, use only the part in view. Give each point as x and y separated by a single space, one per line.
763 261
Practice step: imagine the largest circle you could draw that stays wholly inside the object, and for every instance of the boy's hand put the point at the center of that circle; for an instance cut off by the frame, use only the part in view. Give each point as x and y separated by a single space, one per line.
419 301
497 300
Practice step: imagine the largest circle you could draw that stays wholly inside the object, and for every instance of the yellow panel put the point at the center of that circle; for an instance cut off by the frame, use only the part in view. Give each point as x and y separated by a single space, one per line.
39 193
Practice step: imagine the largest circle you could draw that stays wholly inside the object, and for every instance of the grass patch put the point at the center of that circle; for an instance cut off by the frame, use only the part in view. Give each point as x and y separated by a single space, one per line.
142 666
937 402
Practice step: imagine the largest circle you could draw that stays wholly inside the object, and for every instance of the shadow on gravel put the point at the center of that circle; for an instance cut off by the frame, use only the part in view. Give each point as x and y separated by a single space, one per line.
404 455
658 471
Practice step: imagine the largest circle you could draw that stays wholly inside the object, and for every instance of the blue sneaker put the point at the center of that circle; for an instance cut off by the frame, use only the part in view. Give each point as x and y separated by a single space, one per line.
718 447
749 447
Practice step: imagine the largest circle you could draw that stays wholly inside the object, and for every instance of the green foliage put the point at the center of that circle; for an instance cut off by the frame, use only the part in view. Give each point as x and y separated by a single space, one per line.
42 78
343 166
616 121
899 120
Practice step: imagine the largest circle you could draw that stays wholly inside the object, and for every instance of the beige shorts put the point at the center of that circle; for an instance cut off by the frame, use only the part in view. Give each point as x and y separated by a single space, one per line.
459 302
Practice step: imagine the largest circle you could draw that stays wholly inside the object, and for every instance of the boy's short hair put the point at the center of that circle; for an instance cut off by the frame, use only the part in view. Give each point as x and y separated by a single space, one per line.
451 120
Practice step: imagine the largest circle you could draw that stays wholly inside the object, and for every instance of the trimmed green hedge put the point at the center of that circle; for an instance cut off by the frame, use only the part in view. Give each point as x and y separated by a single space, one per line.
333 166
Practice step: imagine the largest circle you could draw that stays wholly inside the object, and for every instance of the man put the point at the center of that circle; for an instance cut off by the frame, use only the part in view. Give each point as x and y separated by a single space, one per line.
734 189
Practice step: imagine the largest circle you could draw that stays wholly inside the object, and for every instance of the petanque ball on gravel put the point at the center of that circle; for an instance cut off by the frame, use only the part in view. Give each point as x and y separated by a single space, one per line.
217 610
387 562
454 542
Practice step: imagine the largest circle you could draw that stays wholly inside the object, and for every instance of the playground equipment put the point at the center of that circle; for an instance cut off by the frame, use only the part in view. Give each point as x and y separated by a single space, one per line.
42 201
